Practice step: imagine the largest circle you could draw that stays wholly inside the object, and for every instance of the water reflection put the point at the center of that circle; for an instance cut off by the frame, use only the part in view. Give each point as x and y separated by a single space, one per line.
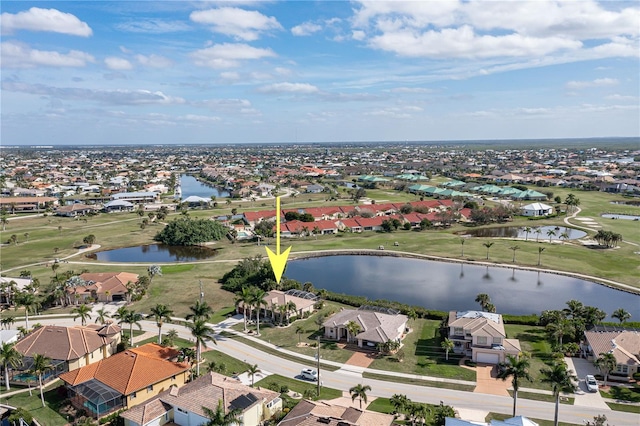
156 253
549 233
446 286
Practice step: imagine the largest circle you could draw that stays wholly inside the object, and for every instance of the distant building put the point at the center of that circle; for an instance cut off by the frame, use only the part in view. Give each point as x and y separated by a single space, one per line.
536 209
311 413
373 326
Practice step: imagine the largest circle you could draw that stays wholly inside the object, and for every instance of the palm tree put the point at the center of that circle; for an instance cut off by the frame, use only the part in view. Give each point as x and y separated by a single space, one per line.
83 312
527 231
540 250
131 318
399 402
40 366
447 345
564 236
353 328
10 358
28 300
359 391
170 337
244 298
551 233
153 270
606 362
514 248
201 332
517 369
621 315
462 241
253 370
218 417
561 379
488 246
101 316
483 299
160 313
538 231
258 300
199 310
299 331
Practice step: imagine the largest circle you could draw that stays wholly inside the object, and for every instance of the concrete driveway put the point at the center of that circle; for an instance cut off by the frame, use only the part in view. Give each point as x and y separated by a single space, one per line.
487 381
582 367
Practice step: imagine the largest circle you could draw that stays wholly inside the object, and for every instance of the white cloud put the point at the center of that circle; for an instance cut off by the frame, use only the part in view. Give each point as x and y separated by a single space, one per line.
228 55
153 26
117 64
154 61
16 55
619 97
49 20
410 90
230 75
302 88
238 23
115 97
358 35
599 82
305 29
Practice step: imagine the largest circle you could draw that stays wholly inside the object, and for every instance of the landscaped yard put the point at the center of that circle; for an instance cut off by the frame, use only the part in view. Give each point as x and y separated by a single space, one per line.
46 416
299 386
533 340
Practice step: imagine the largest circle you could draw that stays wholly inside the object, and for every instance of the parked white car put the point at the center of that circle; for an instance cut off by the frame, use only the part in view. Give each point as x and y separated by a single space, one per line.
591 383
309 374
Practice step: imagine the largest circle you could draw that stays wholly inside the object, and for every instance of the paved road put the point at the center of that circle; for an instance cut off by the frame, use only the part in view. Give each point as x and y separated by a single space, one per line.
344 379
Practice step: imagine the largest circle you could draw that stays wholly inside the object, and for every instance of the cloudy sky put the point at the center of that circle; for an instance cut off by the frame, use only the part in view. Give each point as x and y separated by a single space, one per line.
162 72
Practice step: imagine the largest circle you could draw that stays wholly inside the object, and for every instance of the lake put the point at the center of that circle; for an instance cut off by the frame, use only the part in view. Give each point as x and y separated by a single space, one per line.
189 186
448 286
155 253
518 232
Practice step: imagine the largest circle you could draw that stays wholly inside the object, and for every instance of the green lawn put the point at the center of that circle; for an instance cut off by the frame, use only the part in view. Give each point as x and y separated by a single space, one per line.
418 382
543 397
46 416
627 408
381 405
623 393
298 386
500 416
533 340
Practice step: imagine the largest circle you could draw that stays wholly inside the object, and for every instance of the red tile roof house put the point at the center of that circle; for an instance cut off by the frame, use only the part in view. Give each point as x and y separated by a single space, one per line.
125 379
104 286
350 225
68 347
374 327
304 302
481 336
183 406
313 413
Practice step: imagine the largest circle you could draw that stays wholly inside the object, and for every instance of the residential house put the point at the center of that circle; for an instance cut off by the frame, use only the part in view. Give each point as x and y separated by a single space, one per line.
481 336
118 206
314 189
312 413
194 201
22 204
68 347
137 197
536 209
303 303
374 326
104 286
125 379
623 344
75 210
183 406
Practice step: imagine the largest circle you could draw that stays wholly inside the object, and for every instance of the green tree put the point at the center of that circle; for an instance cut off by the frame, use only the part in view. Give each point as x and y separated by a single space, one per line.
199 310
483 299
359 391
244 299
185 231
30 304
10 358
101 316
153 270
219 416
170 338
252 371
518 369
514 248
606 363
299 331
441 412
201 333
540 250
89 239
258 301
561 380
41 364
621 315
132 318
488 246
83 312
160 313
447 345
399 402
353 328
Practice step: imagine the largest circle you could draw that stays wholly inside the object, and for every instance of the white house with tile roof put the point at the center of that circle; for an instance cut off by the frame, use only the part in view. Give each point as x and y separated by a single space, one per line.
623 344
374 327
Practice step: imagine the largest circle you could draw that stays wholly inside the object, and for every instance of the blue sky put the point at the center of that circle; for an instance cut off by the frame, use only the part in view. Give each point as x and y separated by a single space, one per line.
162 72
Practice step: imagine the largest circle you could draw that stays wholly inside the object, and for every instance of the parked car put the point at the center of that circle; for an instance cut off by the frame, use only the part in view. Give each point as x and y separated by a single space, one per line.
309 374
592 384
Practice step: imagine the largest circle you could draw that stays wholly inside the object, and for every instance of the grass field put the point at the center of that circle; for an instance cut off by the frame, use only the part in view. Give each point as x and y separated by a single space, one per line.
299 386
46 416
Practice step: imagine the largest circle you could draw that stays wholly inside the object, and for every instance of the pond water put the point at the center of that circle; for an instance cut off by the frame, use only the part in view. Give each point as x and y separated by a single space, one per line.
448 286
519 232
621 216
634 203
189 186
153 253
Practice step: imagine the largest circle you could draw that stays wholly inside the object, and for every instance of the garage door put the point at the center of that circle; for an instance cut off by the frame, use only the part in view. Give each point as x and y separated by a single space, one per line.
485 358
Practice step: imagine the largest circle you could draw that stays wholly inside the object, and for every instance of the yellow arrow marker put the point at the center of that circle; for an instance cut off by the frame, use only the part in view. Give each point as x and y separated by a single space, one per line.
278 260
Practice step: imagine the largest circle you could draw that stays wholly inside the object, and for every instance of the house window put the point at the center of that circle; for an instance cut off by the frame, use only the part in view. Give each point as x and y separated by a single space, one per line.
173 377
622 368
133 395
150 388
497 340
181 410
482 340
458 331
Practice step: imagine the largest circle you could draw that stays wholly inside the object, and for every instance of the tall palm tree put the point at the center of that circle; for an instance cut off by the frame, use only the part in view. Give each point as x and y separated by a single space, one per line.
606 362
514 248
10 358
30 303
551 233
41 364
258 301
170 337
154 270
201 333
518 369
488 246
101 316
527 231
621 315
353 328
447 345
483 299
299 331
359 391
538 231
462 241
160 313
83 312
244 298
218 417
132 318
540 250
399 402
199 310
561 380
253 370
